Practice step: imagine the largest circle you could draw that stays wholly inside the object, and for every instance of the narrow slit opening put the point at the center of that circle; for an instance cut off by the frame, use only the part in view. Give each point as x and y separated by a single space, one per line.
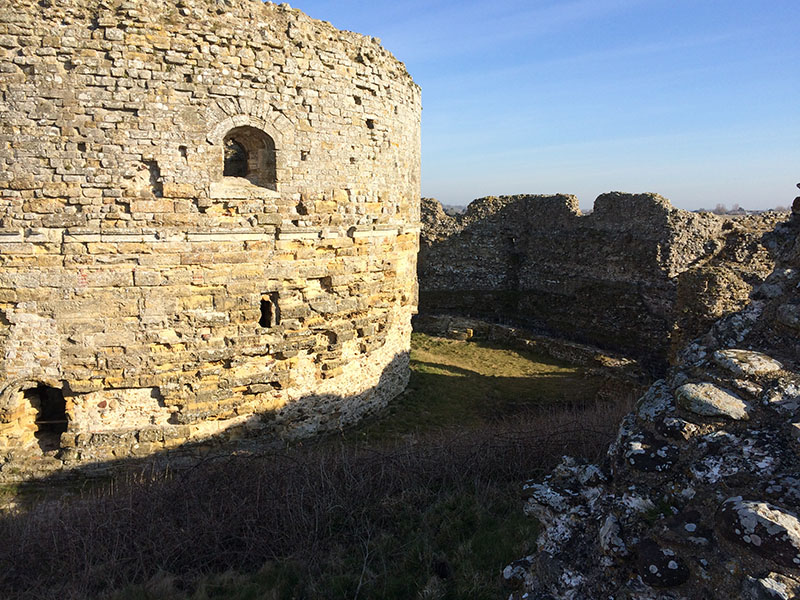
266 313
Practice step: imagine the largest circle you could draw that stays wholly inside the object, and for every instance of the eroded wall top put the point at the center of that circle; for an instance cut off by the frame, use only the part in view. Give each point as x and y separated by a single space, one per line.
631 276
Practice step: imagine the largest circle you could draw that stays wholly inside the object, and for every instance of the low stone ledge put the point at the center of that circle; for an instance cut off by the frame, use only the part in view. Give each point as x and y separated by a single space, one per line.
230 237
298 235
356 233
239 190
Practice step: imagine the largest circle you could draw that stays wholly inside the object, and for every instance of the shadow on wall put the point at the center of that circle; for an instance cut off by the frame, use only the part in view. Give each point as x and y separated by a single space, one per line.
239 510
609 278
535 261
44 454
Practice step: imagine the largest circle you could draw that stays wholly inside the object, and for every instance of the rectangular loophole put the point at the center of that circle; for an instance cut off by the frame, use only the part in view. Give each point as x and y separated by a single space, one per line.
270 315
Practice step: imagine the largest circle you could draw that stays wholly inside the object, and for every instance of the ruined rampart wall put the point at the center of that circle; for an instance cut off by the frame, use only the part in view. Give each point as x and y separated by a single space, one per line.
698 495
632 276
208 223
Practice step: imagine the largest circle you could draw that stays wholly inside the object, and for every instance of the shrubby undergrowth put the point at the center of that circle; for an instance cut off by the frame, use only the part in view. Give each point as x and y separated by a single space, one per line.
435 517
401 508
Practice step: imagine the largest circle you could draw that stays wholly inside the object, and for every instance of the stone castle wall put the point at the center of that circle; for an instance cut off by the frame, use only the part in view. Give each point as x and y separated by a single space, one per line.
636 275
164 299
698 496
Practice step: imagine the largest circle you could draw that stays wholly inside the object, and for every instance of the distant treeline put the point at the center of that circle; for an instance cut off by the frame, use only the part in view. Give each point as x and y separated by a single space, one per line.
735 209
719 209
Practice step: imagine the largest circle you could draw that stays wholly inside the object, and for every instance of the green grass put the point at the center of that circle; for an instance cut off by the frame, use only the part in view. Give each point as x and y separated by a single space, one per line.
472 383
433 546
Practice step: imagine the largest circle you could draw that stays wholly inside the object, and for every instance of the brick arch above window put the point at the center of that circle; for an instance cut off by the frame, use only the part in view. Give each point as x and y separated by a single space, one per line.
279 134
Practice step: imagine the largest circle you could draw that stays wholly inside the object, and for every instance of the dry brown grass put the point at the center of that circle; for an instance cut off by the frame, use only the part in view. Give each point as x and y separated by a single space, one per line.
302 506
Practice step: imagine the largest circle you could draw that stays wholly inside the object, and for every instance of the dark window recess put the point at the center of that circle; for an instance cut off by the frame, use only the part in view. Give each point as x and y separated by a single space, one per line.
250 153
51 417
81 146
266 313
370 124
235 159
270 314
156 186
184 151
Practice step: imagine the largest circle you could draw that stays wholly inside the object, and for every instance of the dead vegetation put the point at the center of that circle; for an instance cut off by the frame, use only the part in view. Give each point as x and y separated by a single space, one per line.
430 515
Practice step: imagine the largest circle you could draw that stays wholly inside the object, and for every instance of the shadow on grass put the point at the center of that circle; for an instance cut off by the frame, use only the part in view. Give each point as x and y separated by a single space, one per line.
433 513
473 384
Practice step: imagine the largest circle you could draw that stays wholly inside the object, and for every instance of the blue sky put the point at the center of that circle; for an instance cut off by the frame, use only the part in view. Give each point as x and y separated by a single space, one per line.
698 100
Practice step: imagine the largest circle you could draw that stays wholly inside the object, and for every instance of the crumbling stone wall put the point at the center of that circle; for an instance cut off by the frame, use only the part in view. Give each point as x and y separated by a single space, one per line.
163 299
633 276
699 496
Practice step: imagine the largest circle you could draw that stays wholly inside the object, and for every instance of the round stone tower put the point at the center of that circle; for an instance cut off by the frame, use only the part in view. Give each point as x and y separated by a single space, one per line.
208 225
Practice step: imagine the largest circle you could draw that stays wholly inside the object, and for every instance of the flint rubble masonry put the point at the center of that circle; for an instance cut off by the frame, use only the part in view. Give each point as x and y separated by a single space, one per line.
636 276
699 495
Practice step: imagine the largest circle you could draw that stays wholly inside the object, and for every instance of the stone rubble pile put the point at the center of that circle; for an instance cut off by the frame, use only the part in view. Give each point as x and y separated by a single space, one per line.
699 496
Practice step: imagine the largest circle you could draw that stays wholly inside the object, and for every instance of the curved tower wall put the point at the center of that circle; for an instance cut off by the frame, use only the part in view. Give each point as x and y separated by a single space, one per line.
159 300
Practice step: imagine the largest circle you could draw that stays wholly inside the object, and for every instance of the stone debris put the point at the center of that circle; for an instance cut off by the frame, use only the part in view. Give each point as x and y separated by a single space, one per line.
660 567
789 315
746 362
610 540
784 397
699 495
771 531
771 587
711 400
656 402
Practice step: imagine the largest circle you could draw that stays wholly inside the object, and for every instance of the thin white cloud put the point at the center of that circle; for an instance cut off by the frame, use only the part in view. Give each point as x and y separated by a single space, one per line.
476 26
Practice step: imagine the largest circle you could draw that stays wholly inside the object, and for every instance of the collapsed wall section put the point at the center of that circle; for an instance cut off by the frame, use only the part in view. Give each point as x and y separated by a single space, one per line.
629 277
698 495
208 224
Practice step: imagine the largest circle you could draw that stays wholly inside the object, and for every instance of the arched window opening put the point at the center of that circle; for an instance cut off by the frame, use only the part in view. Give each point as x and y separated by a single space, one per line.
51 415
250 153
